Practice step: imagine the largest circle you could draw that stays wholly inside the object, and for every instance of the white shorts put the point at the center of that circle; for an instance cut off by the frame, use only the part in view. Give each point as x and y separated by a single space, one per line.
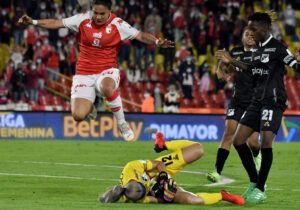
87 86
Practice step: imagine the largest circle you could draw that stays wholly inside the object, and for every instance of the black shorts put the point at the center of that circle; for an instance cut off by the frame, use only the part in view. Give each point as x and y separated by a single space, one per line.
234 112
268 118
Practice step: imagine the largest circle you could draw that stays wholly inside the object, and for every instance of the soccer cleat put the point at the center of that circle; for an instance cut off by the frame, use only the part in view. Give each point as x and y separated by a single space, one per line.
257 161
159 142
112 195
235 199
92 115
126 131
249 190
213 176
256 196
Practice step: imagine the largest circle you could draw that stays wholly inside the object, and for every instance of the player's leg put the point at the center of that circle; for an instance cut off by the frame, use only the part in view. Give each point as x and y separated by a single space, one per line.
107 84
223 151
253 142
249 123
178 159
185 197
270 121
82 96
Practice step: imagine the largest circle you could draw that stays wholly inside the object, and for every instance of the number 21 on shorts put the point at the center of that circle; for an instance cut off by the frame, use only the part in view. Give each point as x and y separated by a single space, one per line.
267 114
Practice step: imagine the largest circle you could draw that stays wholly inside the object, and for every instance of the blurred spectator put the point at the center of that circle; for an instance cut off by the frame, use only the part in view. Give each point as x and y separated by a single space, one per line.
289 19
18 80
30 36
205 82
32 83
5 26
179 24
124 52
133 75
52 65
18 30
3 92
158 99
186 72
153 22
148 103
17 55
72 54
171 100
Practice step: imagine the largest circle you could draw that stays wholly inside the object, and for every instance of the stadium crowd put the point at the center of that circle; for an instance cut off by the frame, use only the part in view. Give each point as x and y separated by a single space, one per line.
35 64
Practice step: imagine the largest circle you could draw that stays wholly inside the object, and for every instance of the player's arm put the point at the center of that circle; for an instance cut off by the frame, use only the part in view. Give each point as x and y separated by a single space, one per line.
44 23
158 165
225 57
148 38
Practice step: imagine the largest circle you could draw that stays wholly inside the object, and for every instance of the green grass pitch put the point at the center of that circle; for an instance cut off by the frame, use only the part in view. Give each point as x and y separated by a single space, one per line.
38 175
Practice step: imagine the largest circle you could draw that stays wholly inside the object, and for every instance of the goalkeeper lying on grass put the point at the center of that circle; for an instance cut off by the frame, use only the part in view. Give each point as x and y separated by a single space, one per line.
149 181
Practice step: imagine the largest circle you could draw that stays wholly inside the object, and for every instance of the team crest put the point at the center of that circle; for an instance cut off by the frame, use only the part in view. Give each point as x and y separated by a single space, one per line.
264 58
108 29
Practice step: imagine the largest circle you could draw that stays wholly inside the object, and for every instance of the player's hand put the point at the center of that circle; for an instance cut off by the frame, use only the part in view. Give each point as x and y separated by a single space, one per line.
165 43
25 20
162 176
170 189
224 56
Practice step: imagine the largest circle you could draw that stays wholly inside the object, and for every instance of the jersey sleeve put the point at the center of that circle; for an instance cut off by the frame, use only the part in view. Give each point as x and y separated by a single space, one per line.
287 57
126 31
73 22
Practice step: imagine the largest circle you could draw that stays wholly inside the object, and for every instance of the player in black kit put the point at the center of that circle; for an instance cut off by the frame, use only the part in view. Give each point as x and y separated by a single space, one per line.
241 98
268 104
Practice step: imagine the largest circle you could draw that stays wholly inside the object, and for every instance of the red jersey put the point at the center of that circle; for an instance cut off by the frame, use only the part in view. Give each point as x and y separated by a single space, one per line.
98 45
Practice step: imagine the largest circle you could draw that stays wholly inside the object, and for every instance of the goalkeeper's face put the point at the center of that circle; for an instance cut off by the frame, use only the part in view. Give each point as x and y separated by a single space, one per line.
101 14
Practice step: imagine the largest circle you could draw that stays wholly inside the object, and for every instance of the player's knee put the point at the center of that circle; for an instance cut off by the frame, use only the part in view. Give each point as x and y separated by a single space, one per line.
107 91
199 151
78 116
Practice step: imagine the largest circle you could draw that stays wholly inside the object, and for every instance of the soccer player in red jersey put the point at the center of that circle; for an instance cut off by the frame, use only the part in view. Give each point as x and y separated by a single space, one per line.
100 35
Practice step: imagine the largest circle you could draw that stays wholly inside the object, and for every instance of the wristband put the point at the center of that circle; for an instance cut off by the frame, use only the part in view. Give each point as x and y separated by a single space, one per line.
34 22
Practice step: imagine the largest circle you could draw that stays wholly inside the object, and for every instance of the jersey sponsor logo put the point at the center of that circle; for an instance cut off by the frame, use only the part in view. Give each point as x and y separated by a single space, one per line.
264 58
287 59
96 42
97 35
230 112
238 53
260 71
108 29
79 86
269 49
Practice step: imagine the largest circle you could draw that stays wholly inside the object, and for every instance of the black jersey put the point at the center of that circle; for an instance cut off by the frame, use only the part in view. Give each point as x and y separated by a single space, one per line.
243 79
268 71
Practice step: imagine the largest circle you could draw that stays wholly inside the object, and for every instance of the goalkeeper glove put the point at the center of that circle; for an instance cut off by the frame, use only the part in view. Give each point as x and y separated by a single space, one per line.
170 189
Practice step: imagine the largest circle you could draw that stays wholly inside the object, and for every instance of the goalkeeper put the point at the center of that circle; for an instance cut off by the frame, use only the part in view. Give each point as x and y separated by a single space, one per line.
149 181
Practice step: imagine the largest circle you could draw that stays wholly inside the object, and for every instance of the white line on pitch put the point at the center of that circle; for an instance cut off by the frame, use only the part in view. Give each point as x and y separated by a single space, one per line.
64 164
56 177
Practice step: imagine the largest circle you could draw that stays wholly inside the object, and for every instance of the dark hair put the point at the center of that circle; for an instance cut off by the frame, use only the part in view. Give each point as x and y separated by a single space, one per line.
106 3
261 18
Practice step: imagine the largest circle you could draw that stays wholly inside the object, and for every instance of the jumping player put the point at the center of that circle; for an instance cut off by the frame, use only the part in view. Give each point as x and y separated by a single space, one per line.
268 104
100 35
241 98
148 181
